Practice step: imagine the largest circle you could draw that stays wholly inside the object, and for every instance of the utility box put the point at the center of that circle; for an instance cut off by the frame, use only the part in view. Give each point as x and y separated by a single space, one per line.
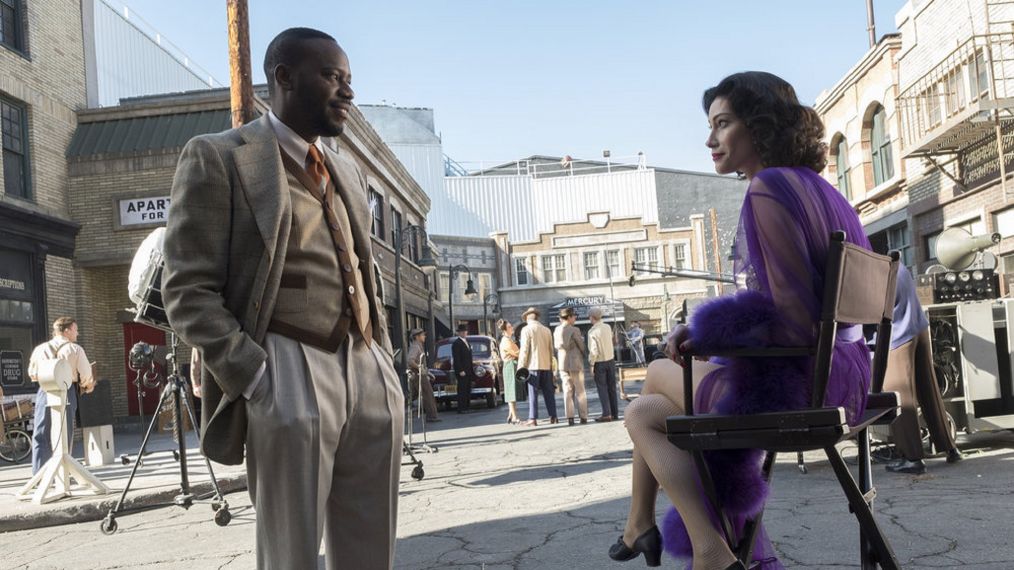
100 449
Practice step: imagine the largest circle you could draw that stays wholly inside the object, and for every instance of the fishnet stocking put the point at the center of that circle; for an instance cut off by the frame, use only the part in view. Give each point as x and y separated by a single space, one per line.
658 462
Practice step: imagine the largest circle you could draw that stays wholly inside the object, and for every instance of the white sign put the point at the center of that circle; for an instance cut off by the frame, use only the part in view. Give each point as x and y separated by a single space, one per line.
136 211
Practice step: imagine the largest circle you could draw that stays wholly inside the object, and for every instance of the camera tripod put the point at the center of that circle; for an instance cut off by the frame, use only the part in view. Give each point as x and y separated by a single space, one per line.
175 388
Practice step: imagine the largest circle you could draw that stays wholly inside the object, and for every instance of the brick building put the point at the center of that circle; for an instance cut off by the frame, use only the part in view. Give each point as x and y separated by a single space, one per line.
863 131
42 85
912 129
588 263
475 259
121 164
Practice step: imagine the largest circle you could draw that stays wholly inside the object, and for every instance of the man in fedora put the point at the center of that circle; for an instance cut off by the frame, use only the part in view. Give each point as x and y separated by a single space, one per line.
537 356
268 273
418 375
570 356
464 369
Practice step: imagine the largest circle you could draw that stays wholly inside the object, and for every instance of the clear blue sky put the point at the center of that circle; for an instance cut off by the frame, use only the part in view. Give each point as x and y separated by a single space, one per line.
509 79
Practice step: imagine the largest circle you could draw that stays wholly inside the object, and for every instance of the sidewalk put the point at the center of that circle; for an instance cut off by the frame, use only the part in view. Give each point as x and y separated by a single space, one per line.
157 480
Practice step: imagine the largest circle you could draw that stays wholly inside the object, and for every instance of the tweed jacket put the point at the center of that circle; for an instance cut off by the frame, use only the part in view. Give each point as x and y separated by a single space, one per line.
536 347
225 245
570 348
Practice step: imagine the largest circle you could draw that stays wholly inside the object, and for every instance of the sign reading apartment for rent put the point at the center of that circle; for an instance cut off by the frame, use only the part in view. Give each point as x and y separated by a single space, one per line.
136 211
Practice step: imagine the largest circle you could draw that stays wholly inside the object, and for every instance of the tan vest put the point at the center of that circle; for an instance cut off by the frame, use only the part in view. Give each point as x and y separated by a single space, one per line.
320 297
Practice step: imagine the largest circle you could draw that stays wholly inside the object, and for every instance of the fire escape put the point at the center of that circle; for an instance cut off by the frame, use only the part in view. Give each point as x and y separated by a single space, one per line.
959 116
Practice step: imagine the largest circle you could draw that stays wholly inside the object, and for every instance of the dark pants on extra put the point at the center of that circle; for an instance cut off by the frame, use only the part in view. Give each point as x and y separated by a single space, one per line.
605 381
541 380
464 391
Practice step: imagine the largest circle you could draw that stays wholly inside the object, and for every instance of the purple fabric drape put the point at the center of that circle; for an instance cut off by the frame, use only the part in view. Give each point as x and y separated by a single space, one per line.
780 253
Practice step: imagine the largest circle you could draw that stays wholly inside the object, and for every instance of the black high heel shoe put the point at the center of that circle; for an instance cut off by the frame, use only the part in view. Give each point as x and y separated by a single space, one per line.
650 543
737 565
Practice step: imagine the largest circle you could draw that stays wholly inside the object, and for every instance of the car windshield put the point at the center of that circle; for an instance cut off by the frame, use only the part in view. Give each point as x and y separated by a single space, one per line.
480 349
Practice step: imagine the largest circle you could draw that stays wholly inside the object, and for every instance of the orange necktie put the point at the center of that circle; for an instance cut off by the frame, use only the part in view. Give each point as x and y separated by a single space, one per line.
316 168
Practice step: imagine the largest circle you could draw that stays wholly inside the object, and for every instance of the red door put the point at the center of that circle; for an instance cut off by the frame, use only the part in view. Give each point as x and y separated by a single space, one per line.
134 333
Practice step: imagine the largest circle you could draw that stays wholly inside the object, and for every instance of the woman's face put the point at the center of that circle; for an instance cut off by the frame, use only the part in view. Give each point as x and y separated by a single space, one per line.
509 330
730 143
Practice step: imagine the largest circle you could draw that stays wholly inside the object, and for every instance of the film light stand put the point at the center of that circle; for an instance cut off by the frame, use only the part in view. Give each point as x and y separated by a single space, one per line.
424 446
174 392
53 480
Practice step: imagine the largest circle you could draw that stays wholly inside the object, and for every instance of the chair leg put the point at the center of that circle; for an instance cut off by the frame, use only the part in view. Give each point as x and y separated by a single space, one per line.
867 556
712 495
752 526
867 523
800 464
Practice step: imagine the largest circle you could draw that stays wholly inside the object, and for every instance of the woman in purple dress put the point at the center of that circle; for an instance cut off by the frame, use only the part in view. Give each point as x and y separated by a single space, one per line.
758 129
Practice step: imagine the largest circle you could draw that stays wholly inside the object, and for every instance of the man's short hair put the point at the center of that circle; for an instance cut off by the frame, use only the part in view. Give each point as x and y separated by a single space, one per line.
595 313
285 50
61 325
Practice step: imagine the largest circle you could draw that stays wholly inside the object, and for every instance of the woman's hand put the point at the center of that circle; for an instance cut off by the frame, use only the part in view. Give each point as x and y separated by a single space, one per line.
678 342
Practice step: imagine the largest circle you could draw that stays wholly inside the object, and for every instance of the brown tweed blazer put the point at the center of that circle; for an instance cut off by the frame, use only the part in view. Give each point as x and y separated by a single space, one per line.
225 245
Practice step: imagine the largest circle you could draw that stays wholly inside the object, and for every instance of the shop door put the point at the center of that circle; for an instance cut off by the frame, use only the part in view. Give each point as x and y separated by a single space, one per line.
134 333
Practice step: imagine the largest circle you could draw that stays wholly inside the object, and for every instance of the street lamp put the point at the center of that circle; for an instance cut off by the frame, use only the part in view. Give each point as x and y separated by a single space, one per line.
452 274
492 299
425 261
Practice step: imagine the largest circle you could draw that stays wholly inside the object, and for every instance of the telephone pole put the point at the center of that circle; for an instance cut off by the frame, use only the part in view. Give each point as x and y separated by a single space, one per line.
240 82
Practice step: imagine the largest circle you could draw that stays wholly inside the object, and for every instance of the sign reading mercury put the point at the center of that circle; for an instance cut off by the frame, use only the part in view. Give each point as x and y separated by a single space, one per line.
136 211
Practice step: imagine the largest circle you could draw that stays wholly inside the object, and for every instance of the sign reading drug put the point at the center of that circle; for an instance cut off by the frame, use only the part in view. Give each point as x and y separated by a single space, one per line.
144 211
12 368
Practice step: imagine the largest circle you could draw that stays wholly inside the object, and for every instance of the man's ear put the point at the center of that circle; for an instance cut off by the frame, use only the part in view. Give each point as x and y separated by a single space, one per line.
283 77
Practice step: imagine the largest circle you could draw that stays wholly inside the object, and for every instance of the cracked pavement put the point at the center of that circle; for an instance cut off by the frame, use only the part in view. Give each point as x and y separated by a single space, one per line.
499 497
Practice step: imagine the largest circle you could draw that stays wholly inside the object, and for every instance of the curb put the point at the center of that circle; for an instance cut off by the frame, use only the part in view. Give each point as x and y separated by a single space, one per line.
96 510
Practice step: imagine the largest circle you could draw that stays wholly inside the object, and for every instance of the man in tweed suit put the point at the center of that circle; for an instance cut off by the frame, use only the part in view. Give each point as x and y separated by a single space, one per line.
268 274
570 356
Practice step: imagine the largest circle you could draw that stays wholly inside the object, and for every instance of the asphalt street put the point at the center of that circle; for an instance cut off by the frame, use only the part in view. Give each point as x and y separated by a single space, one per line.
498 496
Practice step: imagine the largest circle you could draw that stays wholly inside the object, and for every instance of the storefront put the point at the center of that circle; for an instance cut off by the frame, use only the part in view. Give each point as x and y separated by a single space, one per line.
28 238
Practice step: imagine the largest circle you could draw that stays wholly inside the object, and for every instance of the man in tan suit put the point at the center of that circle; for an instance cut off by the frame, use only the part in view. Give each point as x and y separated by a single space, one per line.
537 356
268 273
570 356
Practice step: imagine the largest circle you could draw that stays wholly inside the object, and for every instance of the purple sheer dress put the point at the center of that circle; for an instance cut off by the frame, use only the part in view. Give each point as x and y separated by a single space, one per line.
781 248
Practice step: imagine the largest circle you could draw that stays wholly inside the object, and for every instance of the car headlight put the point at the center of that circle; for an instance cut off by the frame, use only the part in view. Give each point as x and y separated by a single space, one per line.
480 370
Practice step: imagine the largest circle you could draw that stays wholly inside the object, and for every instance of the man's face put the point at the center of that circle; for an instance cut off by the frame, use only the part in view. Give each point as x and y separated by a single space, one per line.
71 333
321 85
421 338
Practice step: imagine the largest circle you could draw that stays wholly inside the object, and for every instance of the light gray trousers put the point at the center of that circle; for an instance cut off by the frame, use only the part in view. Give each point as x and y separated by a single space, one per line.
324 454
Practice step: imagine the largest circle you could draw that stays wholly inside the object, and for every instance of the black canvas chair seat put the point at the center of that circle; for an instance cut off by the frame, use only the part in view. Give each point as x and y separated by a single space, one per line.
780 432
860 289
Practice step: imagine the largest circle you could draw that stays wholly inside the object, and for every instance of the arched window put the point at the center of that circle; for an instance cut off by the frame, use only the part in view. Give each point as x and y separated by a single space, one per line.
880 148
841 163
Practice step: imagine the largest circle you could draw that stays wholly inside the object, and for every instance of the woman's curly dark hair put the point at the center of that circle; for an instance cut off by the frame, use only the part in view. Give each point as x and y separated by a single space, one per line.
784 132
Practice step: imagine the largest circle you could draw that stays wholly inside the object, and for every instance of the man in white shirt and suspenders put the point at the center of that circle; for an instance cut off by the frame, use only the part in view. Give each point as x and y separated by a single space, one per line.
64 346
